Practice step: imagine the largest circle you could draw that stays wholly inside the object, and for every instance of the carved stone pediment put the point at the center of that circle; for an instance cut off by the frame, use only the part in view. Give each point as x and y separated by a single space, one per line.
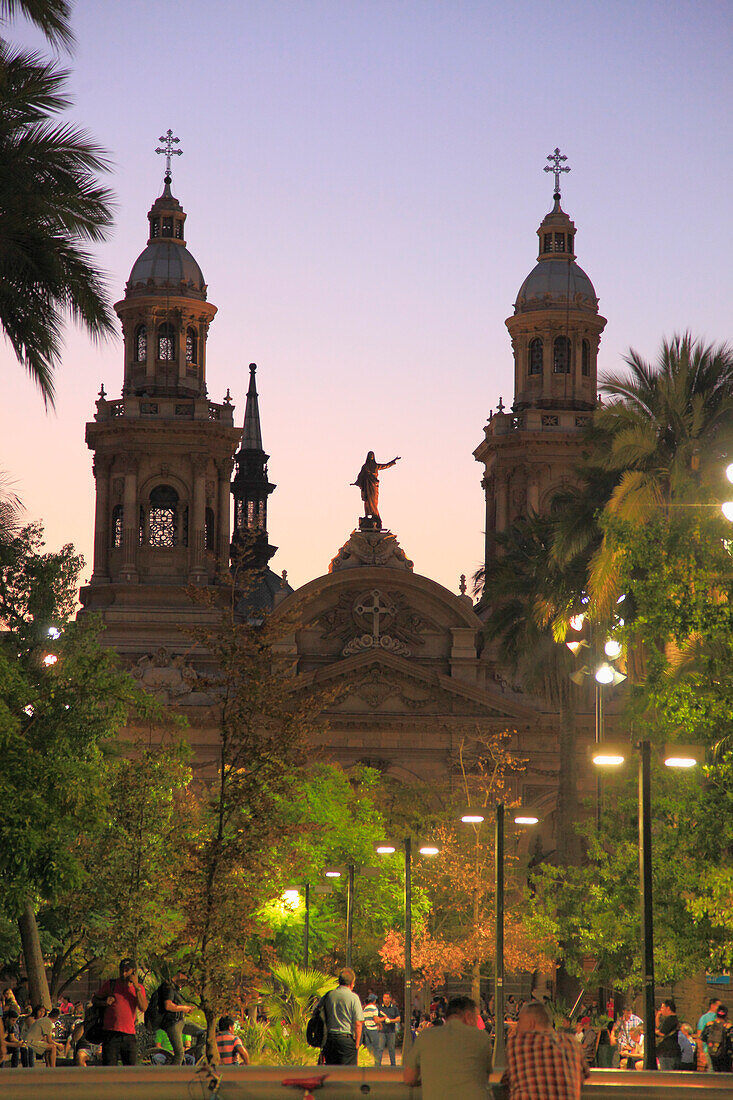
375 619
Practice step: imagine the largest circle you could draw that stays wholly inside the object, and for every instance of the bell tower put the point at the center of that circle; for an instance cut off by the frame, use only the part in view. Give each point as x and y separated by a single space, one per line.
555 331
162 451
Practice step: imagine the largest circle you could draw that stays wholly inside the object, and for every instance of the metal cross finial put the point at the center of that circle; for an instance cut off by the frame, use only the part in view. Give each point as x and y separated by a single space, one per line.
556 160
169 151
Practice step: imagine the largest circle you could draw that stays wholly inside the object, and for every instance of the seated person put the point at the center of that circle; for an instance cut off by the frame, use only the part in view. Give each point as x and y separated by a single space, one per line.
632 1056
161 1053
15 1045
230 1046
39 1036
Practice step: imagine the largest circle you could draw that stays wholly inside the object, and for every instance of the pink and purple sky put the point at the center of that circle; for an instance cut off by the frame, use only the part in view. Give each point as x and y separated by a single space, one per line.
363 182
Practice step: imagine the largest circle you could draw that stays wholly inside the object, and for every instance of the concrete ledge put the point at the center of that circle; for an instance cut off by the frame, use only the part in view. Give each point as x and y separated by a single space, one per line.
342 1083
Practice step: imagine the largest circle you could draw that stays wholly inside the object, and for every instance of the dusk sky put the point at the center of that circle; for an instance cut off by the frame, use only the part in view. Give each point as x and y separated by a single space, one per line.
363 183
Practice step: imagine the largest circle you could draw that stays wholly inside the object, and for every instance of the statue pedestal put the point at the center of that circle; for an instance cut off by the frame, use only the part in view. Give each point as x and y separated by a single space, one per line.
370 523
370 546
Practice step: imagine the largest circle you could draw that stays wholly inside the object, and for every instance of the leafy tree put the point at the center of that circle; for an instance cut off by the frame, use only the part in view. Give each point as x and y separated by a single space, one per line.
336 818
126 902
231 858
51 205
62 700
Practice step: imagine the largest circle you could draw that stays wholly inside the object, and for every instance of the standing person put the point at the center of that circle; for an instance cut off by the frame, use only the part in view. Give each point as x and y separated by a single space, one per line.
717 1035
541 1063
123 997
230 1046
372 1021
174 1011
388 1035
707 1018
344 1022
667 1026
454 1060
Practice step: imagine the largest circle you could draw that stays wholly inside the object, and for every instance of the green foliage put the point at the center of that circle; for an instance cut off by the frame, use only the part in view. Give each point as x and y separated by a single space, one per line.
335 819
56 721
51 207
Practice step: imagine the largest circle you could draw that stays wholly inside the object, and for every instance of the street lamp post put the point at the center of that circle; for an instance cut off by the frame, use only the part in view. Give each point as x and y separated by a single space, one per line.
387 849
521 817
307 926
676 756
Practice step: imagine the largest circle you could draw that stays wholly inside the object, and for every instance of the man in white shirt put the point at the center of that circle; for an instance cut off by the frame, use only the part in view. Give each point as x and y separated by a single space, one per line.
451 1061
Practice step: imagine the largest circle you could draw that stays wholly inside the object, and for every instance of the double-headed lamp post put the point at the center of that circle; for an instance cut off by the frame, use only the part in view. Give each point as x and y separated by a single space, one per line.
476 817
386 848
674 756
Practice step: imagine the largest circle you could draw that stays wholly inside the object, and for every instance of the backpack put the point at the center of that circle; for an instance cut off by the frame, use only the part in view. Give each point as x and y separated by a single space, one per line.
94 1020
715 1037
154 1012
317 1028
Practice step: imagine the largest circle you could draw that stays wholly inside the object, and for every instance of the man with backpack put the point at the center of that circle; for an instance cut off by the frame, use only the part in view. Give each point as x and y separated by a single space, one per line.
171 1011
717 1037
119 1000
344 1021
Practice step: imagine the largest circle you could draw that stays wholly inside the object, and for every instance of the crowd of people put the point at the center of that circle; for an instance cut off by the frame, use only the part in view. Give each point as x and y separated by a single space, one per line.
121 1024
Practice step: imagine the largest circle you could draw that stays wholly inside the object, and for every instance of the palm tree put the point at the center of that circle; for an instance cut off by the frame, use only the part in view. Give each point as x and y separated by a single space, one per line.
668 429
51 205
532 596
10 511
50 16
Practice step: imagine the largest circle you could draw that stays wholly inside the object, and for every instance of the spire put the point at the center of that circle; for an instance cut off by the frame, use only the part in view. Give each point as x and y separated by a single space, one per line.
252 434
251 487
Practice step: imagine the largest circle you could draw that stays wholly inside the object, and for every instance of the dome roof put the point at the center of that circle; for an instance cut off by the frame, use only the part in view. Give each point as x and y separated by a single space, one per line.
167 263
554 283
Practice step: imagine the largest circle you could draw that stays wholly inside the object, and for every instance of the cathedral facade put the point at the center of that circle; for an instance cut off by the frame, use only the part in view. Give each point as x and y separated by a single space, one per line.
405 653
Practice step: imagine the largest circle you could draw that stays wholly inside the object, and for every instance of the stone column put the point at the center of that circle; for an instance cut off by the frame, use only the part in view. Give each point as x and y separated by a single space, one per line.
488 485
130 519
197 574
152 348
101 469
223 534
502 502
533 494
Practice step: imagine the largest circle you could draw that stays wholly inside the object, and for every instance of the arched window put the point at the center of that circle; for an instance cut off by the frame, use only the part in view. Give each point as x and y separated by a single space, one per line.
192 345
534 356
179 230
547 243
585 359
141 343
154 227
559 242
163 517
166 342
209 530
571 238
117 525
561 355
167 227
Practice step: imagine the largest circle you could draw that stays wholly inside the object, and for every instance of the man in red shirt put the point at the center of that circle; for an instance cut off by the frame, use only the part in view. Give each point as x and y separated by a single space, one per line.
122 996
542 1064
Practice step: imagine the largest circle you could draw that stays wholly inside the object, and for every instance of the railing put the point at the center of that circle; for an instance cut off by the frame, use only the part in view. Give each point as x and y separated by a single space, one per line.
341 1083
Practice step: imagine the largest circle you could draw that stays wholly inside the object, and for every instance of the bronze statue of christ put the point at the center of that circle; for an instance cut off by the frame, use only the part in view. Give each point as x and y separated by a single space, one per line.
368 481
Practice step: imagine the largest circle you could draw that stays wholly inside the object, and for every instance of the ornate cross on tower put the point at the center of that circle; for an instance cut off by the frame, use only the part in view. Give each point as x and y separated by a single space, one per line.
169 151
556 160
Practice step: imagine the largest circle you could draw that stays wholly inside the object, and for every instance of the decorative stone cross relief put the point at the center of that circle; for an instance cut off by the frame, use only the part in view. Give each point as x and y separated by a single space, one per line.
378 608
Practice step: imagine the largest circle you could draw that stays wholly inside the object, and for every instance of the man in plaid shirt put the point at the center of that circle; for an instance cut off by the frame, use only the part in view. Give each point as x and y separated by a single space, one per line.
541 1063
